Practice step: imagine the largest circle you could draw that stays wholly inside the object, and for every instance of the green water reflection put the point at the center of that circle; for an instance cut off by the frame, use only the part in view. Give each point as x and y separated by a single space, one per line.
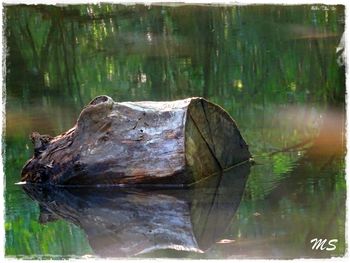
273 68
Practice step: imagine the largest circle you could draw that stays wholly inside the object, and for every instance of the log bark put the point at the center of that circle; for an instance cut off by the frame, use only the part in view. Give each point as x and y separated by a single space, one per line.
121 222
178 142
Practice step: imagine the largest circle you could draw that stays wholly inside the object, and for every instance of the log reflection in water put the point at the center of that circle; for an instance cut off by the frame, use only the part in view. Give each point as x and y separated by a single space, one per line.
123 222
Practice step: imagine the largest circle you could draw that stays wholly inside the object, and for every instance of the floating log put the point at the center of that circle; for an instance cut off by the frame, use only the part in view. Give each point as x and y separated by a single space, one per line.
123 222
177 142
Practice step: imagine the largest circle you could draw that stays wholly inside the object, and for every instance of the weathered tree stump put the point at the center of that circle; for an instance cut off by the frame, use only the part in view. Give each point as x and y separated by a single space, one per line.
178 142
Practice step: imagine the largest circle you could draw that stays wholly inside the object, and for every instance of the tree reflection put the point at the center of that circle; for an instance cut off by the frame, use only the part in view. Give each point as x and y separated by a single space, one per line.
127 222
218 44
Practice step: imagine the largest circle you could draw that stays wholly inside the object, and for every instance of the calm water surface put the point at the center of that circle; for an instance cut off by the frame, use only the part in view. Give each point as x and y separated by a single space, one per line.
273 68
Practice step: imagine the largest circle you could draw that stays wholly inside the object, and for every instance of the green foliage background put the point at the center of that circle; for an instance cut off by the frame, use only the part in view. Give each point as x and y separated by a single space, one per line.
273 68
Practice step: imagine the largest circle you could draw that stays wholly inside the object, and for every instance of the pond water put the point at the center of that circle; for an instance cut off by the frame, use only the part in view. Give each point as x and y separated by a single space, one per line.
273 68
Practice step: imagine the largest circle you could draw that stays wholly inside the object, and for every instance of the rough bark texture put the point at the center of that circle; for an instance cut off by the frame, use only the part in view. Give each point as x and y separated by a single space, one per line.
122 222
176 142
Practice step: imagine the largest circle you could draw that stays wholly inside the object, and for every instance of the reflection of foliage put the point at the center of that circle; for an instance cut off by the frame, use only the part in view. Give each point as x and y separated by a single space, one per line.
168 52
23 231
281 164
272 170
295 218
251 60
57 240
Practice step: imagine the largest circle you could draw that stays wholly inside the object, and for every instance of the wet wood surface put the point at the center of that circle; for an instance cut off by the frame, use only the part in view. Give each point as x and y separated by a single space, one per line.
177 142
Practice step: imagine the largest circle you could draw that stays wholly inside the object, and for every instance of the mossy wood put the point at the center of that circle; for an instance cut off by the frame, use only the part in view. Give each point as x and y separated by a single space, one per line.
177 142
